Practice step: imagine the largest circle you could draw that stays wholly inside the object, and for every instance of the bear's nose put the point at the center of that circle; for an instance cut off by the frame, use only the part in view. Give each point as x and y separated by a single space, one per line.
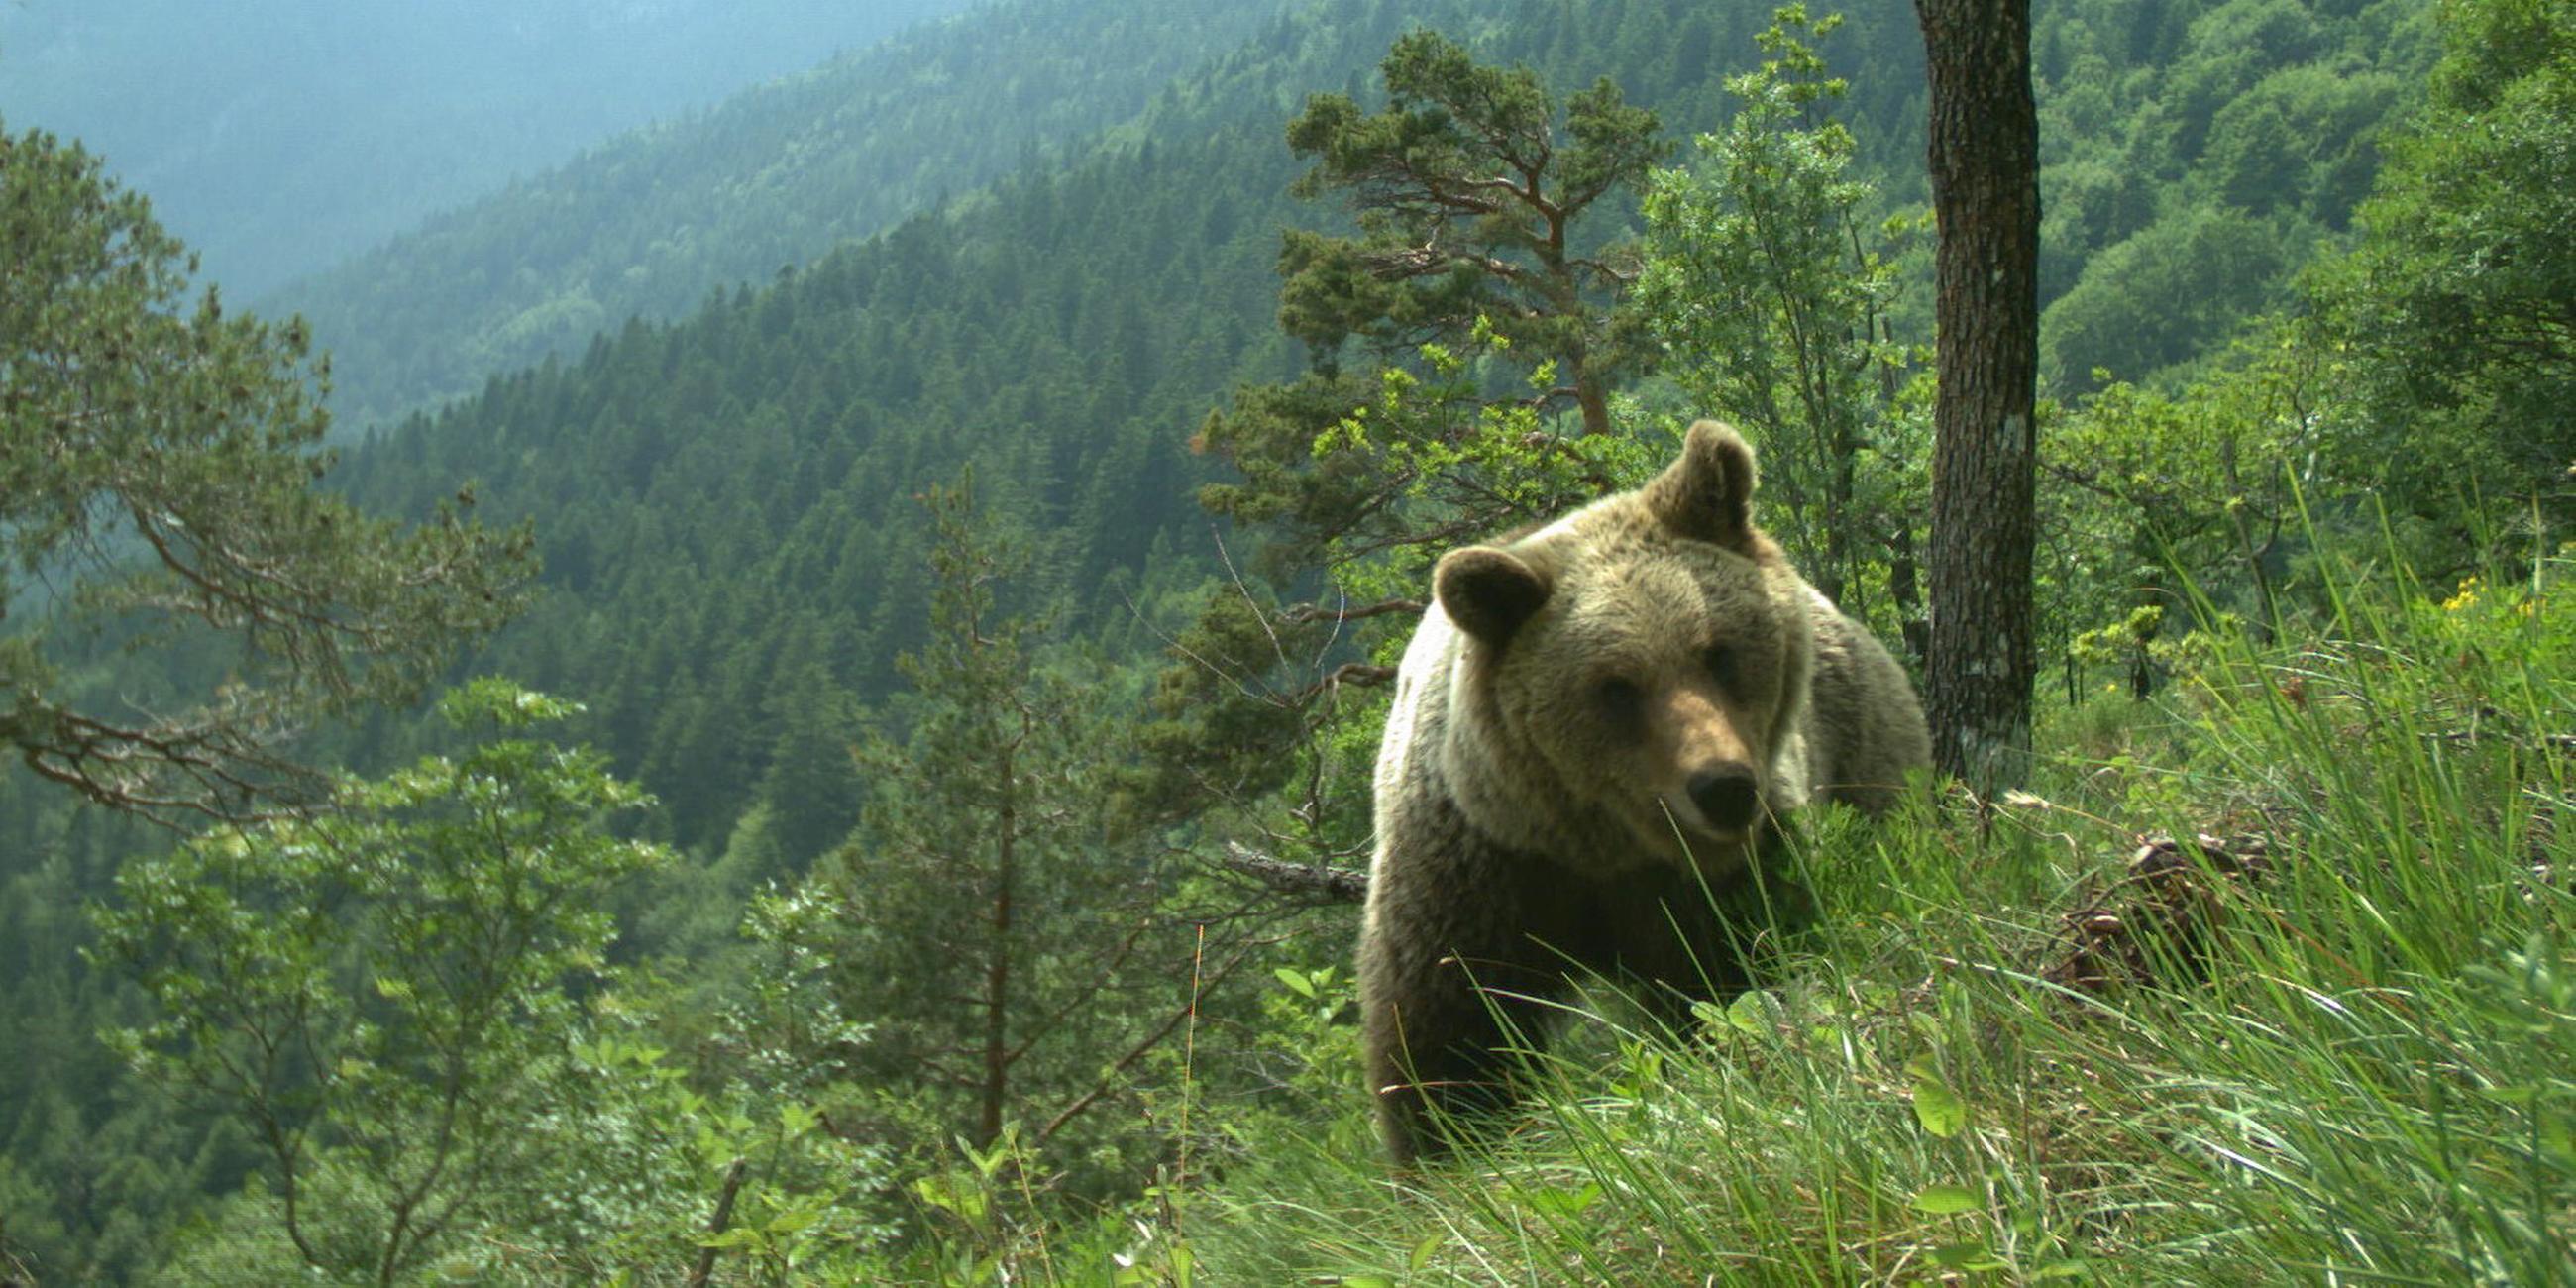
1725 795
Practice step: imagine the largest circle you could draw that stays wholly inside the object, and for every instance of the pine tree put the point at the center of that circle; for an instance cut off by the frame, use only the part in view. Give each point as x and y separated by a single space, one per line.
161 461
996 935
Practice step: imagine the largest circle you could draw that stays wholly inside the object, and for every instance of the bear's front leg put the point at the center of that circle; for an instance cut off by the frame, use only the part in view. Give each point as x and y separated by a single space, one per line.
1451 989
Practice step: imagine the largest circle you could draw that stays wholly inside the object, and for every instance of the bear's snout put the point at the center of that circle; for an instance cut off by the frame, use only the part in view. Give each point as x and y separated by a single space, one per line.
1725 795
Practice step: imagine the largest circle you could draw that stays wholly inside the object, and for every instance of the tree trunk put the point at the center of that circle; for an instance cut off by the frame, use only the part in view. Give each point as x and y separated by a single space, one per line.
1985 193
996 1092
1904 589
1595 403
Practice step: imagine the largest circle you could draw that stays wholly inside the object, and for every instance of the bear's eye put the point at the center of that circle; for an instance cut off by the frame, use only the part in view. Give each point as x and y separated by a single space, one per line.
1619 699
1721 663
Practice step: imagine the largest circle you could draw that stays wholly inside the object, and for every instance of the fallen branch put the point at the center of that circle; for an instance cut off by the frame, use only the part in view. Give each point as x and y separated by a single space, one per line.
2151 926
2564 743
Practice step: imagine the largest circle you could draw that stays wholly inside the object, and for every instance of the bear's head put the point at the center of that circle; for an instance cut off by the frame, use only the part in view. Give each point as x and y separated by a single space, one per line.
1632 675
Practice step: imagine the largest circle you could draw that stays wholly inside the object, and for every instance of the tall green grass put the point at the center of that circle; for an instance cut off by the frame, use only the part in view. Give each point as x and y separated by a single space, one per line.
2359 1068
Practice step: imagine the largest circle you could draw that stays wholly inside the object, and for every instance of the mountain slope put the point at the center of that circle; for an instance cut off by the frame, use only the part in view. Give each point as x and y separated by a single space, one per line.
725 500
280 137
651 222
722 500
740 480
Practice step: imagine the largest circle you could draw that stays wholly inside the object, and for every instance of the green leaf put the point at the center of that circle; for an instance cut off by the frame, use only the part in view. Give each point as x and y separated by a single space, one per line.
1968 1256
1295 980
1947 1200
1558 1201
1752 1011
1425 1250
1938 1108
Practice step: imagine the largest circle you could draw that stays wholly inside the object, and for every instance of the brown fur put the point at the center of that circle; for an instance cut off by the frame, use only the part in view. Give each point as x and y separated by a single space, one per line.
1595 725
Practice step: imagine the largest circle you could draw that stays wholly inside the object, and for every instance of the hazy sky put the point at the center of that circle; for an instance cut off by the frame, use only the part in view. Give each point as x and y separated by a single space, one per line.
277 136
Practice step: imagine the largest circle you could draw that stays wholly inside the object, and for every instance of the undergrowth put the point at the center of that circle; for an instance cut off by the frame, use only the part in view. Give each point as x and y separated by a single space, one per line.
2336 1042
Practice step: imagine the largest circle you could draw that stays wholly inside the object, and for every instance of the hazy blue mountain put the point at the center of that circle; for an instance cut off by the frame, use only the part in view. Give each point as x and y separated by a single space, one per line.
650 222
278 136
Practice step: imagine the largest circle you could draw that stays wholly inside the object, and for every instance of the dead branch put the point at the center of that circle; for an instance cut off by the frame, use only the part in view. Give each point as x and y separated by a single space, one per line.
1310 882
1304 613
1358 675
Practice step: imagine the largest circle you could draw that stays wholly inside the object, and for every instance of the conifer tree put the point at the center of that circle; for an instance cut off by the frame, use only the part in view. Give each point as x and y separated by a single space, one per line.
1004 951
1471 201
1480 256
158 467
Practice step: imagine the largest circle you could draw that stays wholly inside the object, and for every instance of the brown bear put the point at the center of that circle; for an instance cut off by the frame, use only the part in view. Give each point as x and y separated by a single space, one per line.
1595 728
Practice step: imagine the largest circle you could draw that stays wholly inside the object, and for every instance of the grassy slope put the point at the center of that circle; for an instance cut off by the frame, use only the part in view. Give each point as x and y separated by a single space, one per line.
2365 1068
2027 1052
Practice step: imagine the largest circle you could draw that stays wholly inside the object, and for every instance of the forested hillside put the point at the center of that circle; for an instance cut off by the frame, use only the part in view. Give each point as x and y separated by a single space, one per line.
1065 331
886 398
1068 330
652 222
283 137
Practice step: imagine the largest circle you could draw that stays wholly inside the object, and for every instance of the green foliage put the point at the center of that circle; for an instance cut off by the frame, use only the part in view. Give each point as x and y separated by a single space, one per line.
2156 299
379 993
2153 499
1448 464
2454 307
1471 202
1013 959
2353 1061
1774 304
637 1160
2302 138
2194 158
158 459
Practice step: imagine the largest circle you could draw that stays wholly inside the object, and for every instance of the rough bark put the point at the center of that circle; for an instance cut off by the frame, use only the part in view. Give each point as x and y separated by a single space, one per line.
1984 153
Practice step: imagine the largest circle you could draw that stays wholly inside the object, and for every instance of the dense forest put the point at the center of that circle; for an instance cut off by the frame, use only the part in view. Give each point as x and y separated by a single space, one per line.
652 223
940 518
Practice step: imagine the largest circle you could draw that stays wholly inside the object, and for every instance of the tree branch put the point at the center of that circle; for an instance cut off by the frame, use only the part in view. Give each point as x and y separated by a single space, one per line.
1153 1038
1312 883
1303 614
1362 675
716 1225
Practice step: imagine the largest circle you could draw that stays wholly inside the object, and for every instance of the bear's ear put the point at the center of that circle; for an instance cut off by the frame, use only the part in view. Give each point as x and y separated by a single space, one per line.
1488 592
1708 493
